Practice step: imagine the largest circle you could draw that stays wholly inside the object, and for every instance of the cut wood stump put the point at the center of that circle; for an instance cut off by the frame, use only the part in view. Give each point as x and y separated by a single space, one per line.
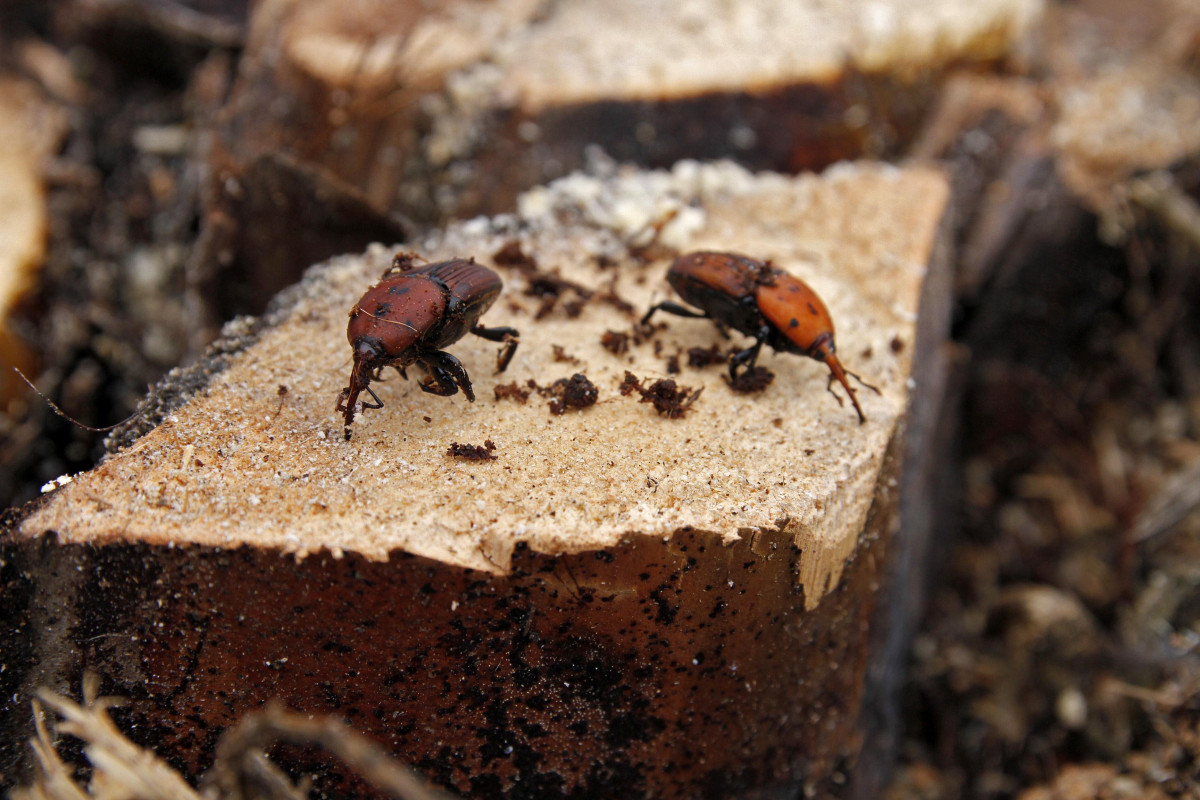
619 603
430 113
454 109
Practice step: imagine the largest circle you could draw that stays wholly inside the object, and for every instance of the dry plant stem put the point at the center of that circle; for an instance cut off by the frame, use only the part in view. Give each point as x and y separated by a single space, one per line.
137 772
141 409
239 755
241 772
253 777
53 780
1159 195
1178 498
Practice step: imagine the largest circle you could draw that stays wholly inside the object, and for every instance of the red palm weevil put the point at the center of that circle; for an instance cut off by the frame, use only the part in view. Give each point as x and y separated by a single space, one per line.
410 315
760 300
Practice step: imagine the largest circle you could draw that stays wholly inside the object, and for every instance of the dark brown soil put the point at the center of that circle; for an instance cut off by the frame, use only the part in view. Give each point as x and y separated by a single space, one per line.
113 310
1058 658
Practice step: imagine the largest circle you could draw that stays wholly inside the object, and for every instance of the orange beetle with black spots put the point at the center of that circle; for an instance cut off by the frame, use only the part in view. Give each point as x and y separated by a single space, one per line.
759 300
409 316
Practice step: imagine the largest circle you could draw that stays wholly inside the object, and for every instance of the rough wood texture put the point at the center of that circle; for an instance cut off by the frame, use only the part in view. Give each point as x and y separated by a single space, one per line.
734 463
619 604
453 110
383 94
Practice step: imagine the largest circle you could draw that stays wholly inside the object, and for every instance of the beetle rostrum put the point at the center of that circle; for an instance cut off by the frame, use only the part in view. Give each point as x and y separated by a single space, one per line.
409 316
762 301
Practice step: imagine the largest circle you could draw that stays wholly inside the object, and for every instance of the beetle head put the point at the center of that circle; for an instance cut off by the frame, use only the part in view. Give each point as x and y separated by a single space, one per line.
367 352
822 348
368 356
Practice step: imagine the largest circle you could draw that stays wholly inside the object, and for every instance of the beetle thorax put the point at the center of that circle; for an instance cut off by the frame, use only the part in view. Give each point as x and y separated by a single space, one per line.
397 314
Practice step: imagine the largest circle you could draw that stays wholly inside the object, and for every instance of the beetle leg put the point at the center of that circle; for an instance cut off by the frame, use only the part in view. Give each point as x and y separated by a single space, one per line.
459 373
348 400
506 353
439 381
509 336
375 397
673 308
749 356
403 262
447 374
745 358
496 334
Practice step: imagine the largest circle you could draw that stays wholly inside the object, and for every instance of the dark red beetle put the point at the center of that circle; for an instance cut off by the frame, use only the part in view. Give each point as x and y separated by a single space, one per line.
410 315
760 300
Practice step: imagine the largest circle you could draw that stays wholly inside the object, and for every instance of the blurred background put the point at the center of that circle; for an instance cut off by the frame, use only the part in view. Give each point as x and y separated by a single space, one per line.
167 166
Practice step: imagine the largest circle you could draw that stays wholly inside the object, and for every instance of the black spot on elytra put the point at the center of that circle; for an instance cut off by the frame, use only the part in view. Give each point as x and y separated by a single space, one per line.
382 309
812 309
793 323
398 290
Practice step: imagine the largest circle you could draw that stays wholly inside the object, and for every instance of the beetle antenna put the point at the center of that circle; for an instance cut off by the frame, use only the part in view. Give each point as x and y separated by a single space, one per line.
835 367
829 388
142 409
858 378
